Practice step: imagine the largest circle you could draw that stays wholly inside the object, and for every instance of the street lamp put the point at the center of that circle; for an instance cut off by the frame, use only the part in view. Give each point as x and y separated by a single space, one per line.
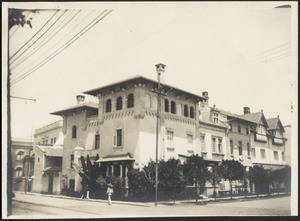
160 68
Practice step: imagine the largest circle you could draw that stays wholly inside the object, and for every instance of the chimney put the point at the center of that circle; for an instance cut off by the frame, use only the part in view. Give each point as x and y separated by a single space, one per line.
80 99
205 95
247 110
160 69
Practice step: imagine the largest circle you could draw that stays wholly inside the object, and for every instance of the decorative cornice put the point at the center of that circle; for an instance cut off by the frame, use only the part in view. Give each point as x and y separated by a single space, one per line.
118 114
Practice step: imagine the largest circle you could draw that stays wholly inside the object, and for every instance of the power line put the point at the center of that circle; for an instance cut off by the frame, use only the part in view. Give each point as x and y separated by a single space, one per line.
47 40
64 47
23 98
40 36
34 35
57 42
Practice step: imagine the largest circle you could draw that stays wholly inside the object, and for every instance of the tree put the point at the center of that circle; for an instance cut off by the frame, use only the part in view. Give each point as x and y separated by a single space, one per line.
142 182
196 172
88 173
215 177
261 179
171 179
16 17
232 170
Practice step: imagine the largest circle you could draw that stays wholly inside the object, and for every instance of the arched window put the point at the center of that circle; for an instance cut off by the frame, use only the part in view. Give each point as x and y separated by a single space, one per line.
173 107
108 106
119 103
166 105
147 101
192 113
19 171
185 111
74 132
130 101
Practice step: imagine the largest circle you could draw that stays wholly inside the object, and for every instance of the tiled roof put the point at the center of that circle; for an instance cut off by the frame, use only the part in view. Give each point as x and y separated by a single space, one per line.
254 117
89 105
117 157
52 151
139 79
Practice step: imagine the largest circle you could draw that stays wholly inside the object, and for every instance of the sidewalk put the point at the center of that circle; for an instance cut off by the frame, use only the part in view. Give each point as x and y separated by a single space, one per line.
225 199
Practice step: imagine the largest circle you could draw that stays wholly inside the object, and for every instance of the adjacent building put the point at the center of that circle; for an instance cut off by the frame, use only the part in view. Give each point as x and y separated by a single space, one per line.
20 147
48 152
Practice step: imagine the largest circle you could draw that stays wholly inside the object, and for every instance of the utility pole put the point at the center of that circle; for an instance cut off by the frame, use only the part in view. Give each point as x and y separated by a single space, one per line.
160 68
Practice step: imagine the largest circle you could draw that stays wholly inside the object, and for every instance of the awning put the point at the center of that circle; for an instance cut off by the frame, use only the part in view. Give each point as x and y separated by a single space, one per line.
270 166
113 158
51 169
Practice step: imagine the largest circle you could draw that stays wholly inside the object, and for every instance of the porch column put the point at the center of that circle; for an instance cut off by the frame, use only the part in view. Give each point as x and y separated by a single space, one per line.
121 170
126 177
112 170
107 170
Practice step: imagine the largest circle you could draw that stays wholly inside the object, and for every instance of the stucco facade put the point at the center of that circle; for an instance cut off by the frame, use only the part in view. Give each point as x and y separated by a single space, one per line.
48 141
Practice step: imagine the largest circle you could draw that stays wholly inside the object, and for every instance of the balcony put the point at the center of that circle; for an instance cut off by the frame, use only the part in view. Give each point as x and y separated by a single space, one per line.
218 156
278 141
261 137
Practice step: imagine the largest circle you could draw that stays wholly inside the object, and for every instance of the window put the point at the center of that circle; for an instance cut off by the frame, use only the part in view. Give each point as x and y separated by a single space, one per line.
97 141
220 145
239 128
247 130
230 125
215 118
19 172
71 160
263 153
276 155
202 140
54 140
192 113
166 105
185 111
118 138
231 147
20 155
190 138
119 103
130 101
74 132
248 149
240 148
108 106
253 152
213 143
173 107
51 141
71 184
170 138
283 157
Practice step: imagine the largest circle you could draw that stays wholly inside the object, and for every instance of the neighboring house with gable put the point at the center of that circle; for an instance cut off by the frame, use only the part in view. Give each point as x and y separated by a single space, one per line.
48 151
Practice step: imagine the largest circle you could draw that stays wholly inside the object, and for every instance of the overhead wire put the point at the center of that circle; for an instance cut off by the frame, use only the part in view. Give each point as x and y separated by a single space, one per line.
34 35
47 40
40 36
57 43
71 41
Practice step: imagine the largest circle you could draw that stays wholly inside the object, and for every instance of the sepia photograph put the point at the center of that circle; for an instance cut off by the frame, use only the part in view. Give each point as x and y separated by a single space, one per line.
149 109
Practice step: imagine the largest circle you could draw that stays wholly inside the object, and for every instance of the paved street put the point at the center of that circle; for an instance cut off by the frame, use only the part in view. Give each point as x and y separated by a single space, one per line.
37 206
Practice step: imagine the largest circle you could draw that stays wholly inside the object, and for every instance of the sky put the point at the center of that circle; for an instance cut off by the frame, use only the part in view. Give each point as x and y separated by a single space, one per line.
241 53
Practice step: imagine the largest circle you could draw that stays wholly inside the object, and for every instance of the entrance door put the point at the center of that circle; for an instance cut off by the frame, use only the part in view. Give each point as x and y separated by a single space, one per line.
50 185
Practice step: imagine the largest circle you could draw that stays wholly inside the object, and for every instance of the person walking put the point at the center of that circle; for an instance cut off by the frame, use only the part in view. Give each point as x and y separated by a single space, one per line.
109 193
